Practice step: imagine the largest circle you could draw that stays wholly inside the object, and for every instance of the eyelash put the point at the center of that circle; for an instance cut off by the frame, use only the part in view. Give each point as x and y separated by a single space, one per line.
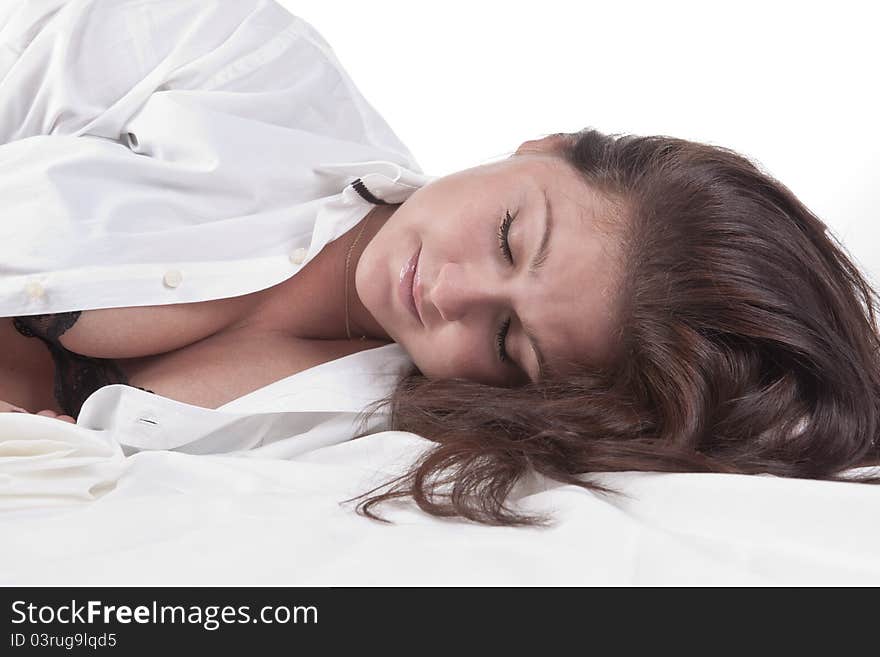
504 245
503 230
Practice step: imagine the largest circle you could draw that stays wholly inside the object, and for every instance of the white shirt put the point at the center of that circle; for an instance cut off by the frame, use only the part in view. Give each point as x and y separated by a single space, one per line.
170 152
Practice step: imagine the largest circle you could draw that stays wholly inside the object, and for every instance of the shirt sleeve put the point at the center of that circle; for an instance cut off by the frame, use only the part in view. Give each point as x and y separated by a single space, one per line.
85 67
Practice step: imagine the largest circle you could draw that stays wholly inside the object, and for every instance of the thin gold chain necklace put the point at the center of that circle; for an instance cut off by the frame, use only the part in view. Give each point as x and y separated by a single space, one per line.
347 262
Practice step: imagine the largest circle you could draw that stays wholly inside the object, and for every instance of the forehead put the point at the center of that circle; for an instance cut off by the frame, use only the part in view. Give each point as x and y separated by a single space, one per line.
530 171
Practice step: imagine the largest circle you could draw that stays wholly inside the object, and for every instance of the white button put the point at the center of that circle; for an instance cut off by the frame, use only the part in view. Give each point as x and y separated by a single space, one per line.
173 277
35 290
298 255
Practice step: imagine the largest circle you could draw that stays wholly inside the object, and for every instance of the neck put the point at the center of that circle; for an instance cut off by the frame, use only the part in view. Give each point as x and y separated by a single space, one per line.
311 304
361 322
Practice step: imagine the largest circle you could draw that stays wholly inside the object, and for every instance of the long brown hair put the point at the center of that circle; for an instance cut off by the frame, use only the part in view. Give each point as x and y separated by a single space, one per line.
746 343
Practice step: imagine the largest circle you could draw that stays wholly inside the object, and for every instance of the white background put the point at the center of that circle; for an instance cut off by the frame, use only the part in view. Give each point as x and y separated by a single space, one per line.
792 85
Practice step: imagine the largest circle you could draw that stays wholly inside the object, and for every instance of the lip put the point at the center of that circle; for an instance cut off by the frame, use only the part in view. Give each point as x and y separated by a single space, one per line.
407 287
417 286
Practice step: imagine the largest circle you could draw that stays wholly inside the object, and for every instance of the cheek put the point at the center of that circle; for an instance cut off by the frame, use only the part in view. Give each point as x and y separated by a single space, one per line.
454 356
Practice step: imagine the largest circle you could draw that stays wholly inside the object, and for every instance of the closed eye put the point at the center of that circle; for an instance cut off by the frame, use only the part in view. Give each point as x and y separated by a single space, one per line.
504 245
503 232
500 339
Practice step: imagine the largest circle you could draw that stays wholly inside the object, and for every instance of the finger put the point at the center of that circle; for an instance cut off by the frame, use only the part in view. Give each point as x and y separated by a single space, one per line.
6 407
67 418
48 413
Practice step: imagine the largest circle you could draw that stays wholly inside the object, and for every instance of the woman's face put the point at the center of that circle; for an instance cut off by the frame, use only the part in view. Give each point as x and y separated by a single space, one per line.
466 288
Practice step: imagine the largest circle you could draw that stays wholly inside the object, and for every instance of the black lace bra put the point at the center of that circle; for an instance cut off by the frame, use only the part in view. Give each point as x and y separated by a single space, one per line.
76 376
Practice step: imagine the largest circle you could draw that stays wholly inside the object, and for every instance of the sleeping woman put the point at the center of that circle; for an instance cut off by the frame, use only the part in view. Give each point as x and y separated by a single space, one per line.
591 303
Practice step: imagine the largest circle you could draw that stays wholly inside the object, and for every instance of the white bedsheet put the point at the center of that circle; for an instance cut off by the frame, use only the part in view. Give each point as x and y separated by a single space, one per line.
74 510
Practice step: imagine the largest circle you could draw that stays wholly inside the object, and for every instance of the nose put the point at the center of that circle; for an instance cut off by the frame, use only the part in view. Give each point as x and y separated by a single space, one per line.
458 291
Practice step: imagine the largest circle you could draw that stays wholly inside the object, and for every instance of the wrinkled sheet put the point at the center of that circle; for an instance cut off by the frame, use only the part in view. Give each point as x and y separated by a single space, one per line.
74 510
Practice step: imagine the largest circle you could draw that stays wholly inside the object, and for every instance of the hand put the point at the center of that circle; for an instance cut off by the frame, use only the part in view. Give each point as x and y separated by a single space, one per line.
6 407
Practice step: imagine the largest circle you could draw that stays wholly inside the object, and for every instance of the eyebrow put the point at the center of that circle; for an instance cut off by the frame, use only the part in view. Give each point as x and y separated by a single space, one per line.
543 250
536 264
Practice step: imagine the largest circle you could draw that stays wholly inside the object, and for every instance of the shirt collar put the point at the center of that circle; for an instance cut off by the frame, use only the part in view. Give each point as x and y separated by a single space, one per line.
383 180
